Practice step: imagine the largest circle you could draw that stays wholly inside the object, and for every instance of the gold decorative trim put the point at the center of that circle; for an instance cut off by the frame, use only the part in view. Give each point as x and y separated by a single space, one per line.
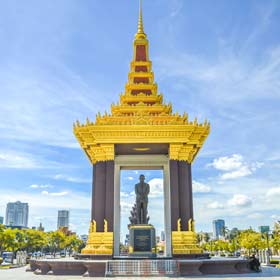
185 242
183 152
100 152
99 243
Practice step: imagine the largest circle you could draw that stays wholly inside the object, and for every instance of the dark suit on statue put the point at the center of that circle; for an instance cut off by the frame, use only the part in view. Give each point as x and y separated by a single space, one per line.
142 190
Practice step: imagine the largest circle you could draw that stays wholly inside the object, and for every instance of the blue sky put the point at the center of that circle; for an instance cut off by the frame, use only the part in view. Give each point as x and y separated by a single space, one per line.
66 60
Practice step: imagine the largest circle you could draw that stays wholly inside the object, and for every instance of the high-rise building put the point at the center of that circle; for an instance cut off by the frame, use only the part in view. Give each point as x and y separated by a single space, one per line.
264 229
17 214
1 220
63 219
218 229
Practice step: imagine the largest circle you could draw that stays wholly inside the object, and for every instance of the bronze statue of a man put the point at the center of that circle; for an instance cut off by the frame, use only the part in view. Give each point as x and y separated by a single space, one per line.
142 190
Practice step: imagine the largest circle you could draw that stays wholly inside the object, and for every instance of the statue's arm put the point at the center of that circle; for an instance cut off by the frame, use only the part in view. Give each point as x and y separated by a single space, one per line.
136 190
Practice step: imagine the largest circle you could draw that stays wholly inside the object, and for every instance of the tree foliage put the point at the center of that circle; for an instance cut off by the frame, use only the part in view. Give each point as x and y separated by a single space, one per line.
34 240
275 241
251 240
247 240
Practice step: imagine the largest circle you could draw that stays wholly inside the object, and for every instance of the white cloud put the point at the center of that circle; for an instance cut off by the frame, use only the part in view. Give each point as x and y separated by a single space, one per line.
234 166
126 207
227 79
273 192
241 172
240 200
71 179
54 193
125 194
156 187
23 160
25 117
215 205
228 163
275 217
10 159
36 186
176 7
200 188
256 165
255 216
273 196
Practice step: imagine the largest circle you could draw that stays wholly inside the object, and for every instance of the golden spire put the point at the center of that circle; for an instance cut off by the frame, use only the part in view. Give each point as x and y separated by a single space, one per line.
140 33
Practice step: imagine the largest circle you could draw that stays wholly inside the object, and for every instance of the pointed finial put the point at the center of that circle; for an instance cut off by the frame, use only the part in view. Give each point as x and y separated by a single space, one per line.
140 33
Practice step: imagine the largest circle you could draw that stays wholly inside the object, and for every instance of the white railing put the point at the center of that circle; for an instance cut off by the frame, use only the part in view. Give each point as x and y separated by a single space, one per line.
141 267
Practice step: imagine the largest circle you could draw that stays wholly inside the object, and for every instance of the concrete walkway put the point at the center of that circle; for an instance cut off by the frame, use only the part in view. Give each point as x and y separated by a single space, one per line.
20 274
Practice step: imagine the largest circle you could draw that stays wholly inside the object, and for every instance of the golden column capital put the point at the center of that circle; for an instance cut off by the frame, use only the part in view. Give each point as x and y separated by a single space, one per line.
101 152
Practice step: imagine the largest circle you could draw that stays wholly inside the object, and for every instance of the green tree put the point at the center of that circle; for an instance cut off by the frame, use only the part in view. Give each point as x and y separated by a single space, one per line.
206 237
8 240
222 246
210 246
2 232
225 232
233 246
35 240
275 241
233 234
199 237
20 239
56 241
251 240
72 243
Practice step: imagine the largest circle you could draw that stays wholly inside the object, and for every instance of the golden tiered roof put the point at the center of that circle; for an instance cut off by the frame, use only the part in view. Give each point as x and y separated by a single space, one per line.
141 116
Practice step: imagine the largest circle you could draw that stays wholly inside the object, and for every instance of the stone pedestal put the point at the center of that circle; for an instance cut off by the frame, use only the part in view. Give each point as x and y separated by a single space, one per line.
142 241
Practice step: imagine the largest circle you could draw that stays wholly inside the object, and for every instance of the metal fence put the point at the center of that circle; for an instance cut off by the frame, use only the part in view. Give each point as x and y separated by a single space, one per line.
141 268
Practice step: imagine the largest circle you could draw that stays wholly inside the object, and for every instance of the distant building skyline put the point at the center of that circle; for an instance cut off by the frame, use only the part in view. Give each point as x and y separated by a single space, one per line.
17 214
62 218
218 228
1 220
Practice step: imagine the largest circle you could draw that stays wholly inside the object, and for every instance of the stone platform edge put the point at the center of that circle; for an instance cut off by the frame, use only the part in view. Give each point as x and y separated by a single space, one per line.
97 268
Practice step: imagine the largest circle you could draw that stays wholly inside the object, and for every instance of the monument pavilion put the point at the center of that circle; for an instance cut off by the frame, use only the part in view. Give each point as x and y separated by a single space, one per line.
141 132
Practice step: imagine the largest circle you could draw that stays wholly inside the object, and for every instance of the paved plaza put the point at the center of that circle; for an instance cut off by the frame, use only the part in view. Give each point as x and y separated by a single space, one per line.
20 274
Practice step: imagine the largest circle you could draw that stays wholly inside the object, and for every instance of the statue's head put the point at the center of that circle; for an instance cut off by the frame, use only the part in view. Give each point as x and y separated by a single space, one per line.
142 178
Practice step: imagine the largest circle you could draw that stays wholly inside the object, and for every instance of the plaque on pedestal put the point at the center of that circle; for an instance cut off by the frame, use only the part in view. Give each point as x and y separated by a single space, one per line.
142 241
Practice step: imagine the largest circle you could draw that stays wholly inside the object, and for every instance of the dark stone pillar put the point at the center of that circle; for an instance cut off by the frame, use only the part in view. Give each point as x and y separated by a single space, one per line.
93 192
190 191
181 193
184 194
174 193
103 195
99 198
109 208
